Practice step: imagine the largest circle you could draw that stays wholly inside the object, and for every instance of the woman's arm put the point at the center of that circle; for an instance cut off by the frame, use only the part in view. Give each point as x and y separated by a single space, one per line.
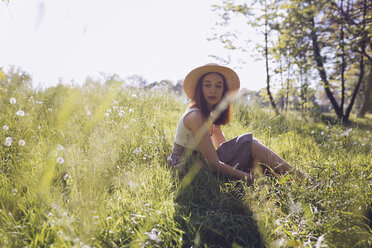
217 136
195 121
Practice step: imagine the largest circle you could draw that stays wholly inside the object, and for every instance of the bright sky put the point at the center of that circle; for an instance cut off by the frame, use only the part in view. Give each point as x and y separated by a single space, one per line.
70 39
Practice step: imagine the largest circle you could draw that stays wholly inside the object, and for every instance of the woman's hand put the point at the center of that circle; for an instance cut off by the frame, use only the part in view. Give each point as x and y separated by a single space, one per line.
195 122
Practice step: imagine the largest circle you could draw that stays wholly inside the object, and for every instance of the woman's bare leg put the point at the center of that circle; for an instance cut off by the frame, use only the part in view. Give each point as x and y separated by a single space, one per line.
263 155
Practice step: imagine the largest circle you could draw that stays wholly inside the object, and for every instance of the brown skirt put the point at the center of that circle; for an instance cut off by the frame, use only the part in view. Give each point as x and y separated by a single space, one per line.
235 152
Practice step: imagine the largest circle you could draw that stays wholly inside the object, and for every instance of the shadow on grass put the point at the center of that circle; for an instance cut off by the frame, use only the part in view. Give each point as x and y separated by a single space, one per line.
212 213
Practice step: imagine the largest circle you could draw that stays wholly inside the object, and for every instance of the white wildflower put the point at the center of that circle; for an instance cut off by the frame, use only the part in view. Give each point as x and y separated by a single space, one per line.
21 142
50 214
108 110
12 100
137 150
15 191
107 114
134 95
131 110
8 141
60 147
154 235
50 109
66 177
20 113
60 160
348 131
322 133
5 127
121 113
313 132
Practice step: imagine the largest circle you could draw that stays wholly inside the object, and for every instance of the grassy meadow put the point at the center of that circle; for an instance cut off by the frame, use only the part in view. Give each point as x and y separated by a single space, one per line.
85 166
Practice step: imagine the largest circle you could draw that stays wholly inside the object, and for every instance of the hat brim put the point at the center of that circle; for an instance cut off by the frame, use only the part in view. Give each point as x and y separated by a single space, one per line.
191 80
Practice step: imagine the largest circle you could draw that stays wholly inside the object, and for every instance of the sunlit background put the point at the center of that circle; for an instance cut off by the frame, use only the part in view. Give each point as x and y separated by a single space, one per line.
66 41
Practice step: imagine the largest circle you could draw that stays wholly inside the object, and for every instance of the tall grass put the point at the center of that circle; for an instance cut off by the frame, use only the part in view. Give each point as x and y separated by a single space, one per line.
85 167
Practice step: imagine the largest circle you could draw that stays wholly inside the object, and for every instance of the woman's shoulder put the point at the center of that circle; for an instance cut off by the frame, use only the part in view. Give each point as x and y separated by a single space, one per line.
193 116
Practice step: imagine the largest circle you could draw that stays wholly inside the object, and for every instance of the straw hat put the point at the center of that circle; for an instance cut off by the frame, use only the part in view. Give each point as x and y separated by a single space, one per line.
191 80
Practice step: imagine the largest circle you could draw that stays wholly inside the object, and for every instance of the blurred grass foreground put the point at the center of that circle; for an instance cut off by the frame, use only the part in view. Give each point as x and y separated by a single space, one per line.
85 166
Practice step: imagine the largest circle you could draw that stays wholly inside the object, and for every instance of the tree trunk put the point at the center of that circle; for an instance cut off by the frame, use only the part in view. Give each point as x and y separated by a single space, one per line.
323 75
343 65
273 105
360 80
367 95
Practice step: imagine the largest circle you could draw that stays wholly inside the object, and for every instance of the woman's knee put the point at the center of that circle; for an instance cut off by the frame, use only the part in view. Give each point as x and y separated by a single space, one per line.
256 143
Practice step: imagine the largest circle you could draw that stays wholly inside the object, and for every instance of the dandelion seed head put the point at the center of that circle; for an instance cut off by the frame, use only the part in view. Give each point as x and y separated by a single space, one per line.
295 208
12 100
8 141
50 214
20 113
15 191
131 110
60 160
322 133
60 147
5 127
313 132
21 142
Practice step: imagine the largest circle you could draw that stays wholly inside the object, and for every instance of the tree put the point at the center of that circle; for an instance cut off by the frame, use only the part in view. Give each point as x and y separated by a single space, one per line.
336 33
263 20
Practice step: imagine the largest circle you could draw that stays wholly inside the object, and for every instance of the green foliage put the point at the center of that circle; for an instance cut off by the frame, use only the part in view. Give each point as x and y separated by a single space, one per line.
86 166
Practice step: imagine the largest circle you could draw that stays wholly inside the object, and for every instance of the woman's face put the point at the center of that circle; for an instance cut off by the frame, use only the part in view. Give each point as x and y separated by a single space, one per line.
212 86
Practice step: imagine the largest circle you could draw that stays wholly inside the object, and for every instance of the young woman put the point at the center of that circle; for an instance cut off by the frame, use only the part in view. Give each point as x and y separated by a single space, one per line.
199 132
